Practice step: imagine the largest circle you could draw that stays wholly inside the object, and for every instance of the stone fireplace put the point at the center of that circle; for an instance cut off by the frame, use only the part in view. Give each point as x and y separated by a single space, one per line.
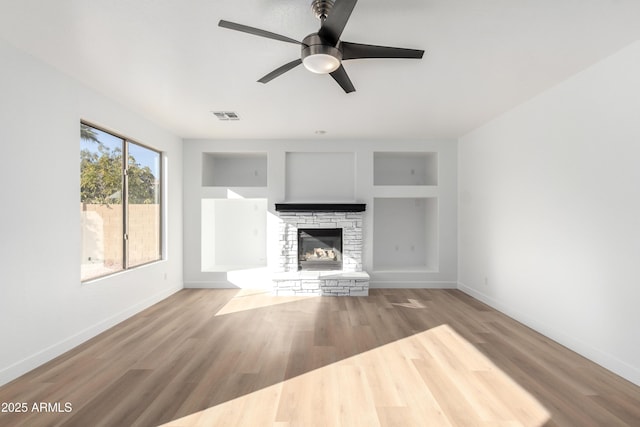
320 250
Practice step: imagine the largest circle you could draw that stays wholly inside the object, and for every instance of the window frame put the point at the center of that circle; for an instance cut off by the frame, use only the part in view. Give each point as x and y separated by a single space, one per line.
125 202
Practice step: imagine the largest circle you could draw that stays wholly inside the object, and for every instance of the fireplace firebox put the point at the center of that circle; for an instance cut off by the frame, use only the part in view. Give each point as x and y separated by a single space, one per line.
320 249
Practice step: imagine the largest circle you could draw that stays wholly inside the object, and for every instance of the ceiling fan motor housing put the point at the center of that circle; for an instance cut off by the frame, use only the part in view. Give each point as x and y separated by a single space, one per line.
318 56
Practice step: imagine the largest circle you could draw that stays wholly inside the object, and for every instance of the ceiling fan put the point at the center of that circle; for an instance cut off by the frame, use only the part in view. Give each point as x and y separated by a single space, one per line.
323 51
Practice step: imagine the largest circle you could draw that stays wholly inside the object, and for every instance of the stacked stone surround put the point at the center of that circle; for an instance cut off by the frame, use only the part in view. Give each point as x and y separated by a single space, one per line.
351 280
350 222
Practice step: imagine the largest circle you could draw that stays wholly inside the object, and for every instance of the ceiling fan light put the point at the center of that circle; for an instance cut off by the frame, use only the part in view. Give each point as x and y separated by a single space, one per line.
318 57
321 63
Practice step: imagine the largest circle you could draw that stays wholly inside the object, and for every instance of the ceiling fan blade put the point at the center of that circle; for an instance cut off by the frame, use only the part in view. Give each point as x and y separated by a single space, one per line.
256 31
280 70
340 76
357 51
333 26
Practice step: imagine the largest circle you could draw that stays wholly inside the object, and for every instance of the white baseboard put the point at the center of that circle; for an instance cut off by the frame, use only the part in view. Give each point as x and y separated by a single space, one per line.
31 362
210 285
608 361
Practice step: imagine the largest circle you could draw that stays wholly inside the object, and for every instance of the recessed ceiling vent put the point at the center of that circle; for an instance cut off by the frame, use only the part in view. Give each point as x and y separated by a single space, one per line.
226 115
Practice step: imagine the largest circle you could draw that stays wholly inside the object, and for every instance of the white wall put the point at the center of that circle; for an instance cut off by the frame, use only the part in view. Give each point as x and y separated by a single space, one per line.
549 213
44 309
323 171
313 177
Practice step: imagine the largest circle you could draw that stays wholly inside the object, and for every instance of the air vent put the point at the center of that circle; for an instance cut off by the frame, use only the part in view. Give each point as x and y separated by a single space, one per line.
226 115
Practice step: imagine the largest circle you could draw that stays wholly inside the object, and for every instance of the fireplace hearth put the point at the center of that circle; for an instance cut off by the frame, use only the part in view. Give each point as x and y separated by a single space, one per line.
319 249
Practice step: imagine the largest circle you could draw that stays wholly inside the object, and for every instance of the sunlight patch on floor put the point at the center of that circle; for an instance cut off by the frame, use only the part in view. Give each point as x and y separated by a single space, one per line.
434 378
250 299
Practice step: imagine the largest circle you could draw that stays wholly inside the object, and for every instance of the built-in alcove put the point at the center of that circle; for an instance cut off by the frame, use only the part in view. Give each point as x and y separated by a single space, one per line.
318 177
405 168
234 169
234 234
405 235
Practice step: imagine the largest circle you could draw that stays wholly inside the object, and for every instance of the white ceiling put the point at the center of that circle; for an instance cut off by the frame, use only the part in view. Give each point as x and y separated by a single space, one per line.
168 60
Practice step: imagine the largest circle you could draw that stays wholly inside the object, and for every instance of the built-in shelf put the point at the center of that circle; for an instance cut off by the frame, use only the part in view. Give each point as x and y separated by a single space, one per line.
405 235
233 192
234 169
405 168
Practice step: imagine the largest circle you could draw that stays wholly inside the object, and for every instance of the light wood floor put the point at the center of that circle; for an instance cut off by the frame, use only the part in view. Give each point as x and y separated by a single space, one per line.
395 358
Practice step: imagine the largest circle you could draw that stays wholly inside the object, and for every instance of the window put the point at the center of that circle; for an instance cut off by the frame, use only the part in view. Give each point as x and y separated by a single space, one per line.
120 203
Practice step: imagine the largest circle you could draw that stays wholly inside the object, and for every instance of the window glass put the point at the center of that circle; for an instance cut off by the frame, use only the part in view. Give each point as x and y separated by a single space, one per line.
101 183
143 208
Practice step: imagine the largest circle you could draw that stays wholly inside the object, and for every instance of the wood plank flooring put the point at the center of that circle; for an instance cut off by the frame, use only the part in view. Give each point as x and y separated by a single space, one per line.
395 358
